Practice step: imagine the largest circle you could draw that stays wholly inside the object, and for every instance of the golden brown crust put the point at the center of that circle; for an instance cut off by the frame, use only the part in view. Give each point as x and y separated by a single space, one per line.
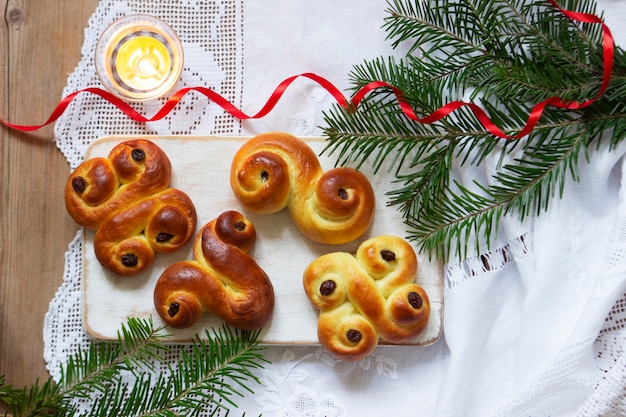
223 279
98 187
276 170
125 198
126 242
367 296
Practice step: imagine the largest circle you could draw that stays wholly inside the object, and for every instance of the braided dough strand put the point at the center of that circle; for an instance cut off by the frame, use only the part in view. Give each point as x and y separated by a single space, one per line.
223 279
276 170
372 291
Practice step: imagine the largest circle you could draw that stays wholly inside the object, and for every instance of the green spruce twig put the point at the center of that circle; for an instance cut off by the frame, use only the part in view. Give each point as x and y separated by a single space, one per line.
217 369
506 56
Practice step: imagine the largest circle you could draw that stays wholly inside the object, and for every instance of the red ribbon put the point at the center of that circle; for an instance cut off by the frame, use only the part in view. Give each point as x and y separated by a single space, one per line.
536 112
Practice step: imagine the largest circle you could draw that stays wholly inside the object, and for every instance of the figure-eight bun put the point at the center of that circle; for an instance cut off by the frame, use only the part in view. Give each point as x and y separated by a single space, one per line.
275 170
223 279
367 296
125 198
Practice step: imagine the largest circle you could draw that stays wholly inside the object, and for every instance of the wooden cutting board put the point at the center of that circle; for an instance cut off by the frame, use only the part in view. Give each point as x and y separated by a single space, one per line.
200 166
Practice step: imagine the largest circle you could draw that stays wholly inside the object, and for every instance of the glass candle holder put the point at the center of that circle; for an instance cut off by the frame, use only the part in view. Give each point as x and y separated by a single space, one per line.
139 58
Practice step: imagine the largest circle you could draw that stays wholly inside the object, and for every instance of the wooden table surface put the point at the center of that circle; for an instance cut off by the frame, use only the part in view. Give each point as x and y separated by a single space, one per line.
40 43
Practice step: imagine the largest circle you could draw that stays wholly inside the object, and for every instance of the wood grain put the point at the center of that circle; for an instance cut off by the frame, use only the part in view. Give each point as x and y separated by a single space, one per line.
40 43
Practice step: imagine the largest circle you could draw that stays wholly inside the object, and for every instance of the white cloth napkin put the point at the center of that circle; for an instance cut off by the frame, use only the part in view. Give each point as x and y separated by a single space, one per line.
536 326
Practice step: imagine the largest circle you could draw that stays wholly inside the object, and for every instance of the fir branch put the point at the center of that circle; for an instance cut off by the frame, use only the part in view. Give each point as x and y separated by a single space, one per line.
217 369
95 369
141 343
9 395
37 400
507 56
525 188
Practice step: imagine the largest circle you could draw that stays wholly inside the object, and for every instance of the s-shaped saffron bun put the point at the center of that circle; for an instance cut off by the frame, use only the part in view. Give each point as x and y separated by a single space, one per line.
126 199
223 279
365 297
277 170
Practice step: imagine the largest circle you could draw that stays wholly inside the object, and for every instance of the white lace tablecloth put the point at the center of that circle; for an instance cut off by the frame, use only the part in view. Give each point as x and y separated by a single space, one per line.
535 327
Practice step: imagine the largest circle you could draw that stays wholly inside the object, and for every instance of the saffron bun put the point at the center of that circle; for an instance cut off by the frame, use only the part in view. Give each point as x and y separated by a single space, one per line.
222 279
367 297
126 199
277 170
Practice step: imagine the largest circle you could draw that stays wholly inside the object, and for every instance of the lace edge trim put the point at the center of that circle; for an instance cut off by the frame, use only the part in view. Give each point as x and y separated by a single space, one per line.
490 261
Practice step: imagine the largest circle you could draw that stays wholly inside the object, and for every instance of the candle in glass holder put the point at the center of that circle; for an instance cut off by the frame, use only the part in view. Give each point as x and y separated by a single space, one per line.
139 58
